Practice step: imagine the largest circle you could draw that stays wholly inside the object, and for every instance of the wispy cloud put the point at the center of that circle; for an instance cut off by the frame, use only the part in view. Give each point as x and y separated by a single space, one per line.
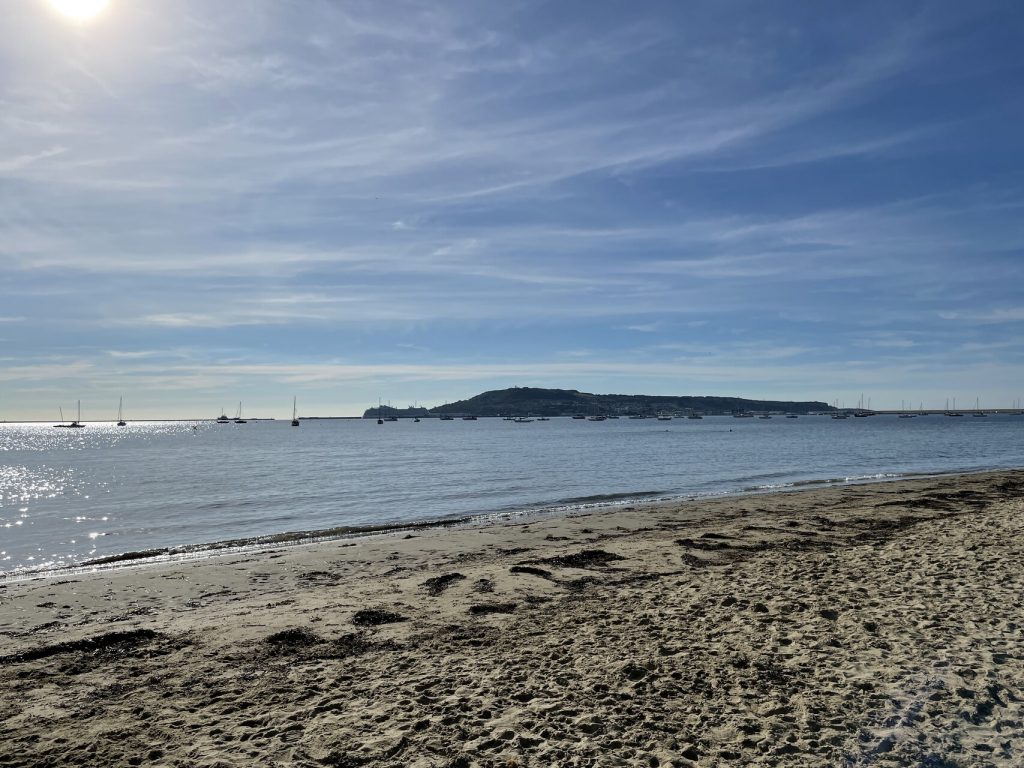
15 163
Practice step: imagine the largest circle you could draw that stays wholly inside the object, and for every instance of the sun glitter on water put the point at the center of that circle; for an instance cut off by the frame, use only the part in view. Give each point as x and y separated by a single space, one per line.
79 10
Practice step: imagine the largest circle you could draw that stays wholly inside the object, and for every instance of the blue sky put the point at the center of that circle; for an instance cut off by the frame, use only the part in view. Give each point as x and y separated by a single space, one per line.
202 203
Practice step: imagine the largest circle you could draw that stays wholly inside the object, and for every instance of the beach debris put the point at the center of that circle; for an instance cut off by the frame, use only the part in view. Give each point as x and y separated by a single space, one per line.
339 759
108 642
373 617
580 584
587 558
707 546
291 640
531 570
487 608
439 584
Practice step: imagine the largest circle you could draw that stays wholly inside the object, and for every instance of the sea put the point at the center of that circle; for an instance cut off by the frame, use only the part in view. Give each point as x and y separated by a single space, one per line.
72 497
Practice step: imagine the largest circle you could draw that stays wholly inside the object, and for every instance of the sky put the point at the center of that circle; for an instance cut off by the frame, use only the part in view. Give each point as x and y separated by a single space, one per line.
204 203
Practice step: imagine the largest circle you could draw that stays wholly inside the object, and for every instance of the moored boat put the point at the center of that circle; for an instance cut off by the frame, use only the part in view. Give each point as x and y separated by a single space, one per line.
77 423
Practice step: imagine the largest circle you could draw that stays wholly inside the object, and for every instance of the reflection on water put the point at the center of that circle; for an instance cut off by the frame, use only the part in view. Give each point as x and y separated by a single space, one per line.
71 495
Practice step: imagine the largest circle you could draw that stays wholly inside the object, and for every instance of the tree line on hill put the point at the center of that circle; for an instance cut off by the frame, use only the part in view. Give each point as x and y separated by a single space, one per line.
538 401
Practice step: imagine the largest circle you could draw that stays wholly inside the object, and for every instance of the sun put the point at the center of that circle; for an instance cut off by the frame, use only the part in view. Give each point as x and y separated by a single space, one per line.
79 10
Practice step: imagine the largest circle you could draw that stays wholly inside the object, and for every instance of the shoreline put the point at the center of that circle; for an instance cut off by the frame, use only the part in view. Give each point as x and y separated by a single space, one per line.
841 625
254 545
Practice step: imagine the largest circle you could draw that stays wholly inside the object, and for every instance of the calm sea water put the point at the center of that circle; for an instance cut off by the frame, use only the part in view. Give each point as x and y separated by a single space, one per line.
67 496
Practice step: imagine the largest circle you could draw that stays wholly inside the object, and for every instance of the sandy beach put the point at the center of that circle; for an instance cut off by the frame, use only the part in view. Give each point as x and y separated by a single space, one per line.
857 625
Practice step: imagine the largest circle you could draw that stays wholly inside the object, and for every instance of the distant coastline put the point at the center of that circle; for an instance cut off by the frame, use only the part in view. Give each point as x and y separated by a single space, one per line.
538 401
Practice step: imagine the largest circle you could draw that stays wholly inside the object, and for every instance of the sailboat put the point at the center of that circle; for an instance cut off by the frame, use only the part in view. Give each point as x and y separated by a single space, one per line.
977 408
295 416
379 419
77 423
120 413
62 425
223 418
238 416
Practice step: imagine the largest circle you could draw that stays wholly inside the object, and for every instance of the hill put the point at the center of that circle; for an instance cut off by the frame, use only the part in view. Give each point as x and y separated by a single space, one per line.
568 402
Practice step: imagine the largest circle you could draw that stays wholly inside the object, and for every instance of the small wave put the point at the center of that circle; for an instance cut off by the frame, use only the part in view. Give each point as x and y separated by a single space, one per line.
604 498
191 551
823 481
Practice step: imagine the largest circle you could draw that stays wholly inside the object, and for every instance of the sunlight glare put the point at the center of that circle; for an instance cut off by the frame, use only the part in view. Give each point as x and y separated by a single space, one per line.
79 10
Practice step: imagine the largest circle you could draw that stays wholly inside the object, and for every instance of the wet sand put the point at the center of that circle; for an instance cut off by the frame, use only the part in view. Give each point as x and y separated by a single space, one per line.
859 625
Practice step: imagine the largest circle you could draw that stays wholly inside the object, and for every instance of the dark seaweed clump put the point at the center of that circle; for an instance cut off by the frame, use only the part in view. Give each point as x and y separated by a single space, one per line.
111 642
292 639
486 608
439 584
588 558
531 570
373 617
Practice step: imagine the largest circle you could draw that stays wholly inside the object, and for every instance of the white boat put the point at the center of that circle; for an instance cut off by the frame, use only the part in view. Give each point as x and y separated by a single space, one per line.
223 418
295 413
120 413
664 417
